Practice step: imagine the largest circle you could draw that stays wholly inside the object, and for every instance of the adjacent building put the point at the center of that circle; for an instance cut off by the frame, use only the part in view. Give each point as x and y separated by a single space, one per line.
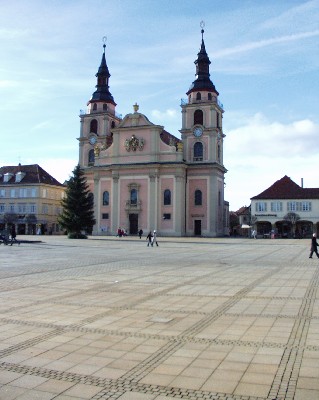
144 177
30 199
286 209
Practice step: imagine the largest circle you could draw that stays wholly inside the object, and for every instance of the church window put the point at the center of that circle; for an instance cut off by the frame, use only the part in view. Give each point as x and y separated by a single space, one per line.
209 96
93 126
217 120
198 198
94 107
113 124
133 197
198 96
91 156
167 197
104 106
218 152
198 151
106 198
198 117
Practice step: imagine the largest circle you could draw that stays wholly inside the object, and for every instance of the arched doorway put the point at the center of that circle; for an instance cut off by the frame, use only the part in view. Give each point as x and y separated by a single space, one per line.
284 229
304 229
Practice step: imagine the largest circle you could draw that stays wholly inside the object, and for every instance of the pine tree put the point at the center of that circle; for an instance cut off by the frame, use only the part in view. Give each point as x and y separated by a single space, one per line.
77 214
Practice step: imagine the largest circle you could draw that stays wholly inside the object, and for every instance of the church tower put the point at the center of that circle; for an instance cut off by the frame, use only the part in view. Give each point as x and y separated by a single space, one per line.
99 119
203 138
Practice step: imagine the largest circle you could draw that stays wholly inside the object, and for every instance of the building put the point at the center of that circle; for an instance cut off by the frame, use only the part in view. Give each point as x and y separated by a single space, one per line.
29 199
142 176
286 209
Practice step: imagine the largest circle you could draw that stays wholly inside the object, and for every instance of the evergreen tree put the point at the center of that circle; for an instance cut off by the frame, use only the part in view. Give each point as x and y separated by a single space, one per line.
77 214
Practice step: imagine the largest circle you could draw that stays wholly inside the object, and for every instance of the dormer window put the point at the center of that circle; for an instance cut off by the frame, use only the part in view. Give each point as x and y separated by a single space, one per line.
19 176
7 177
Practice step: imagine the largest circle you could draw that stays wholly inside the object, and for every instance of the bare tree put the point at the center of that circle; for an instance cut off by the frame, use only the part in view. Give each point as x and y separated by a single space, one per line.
292 218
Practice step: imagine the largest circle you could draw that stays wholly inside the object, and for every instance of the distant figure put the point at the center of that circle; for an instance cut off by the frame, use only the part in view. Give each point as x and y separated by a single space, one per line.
254 234
140 233
154 238
314 246
149 238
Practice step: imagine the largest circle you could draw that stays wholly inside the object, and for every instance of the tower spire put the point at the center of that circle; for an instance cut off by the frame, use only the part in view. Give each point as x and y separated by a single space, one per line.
202 81
102 92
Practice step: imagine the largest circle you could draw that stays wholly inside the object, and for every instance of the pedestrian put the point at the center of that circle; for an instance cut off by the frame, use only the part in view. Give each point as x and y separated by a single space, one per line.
253 234
154 238
149 238
314 246
140 233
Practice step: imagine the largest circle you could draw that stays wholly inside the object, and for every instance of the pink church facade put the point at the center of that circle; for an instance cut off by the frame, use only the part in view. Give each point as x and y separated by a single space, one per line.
143 177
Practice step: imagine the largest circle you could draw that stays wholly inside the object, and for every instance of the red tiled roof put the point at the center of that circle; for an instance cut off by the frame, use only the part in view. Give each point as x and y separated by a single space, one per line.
285 188
33 174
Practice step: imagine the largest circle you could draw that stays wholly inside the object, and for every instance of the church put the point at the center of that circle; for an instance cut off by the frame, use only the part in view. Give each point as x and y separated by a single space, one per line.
143 177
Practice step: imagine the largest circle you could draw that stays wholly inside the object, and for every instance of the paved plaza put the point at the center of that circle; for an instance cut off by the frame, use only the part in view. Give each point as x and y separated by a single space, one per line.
110 318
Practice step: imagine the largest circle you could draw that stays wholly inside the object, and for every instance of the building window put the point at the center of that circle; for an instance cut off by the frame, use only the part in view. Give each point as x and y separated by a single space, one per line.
106 198
93 126
198 96
166 216
292 206
261 206
22 192
167 197
198 117
198 151
276 206
104 107
12 193
218 152
105 216
33 192
2 193
209 96
133 197
91 156
44 193
305 206
113 124
94 107
33 209
2 208
198 198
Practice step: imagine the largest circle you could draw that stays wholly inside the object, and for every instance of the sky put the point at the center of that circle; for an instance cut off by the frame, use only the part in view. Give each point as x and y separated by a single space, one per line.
264 63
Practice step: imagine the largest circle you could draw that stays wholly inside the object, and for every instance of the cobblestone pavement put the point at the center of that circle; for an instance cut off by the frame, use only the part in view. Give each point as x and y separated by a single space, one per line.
110 318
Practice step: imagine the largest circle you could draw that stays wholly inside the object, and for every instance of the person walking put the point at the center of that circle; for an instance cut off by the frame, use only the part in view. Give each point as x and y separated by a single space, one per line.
149 237
154 238
314 246
140 233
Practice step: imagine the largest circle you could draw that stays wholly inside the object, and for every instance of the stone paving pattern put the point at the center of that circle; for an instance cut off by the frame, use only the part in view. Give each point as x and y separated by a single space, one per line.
110 318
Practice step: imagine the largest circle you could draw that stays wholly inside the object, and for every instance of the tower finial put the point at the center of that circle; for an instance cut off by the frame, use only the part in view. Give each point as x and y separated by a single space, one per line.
202 25
104 39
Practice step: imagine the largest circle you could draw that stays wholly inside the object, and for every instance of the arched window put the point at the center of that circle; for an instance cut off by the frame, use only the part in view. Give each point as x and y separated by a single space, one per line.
218 152
106 198
93 126
133 199
198 151
198 117
209 96
104 106
167 197
198 96
198 198
91 156
113 124
94 107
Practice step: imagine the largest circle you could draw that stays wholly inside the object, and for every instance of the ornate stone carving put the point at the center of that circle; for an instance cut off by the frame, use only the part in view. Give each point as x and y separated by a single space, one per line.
134 143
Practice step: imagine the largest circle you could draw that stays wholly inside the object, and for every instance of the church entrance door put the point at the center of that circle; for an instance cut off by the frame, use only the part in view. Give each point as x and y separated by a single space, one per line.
197 227
133 218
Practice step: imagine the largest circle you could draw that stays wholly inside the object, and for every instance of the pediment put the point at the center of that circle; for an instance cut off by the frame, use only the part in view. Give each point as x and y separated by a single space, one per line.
135 119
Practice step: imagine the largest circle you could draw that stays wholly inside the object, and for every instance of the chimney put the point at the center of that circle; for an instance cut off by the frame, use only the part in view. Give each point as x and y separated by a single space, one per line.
302 182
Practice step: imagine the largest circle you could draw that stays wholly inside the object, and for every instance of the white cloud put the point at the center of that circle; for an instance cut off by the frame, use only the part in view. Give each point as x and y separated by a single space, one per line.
260 152
167 114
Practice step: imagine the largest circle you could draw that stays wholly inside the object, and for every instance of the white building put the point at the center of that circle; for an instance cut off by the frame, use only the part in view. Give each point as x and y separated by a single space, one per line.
269 209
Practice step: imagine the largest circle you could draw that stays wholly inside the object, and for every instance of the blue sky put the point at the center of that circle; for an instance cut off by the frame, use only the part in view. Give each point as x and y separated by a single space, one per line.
264 63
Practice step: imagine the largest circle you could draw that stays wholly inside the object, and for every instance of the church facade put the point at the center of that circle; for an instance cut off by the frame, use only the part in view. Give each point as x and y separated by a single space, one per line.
143 177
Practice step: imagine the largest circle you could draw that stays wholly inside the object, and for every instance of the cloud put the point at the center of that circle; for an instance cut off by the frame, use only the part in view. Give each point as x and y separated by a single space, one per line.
275 139
253 45
259 152
162 116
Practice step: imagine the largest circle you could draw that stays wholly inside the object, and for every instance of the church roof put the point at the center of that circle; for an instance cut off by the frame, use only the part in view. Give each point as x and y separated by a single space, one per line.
285 188
32 174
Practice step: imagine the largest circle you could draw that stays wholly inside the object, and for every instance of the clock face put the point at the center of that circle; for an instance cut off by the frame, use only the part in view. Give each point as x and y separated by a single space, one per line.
92 140
198 131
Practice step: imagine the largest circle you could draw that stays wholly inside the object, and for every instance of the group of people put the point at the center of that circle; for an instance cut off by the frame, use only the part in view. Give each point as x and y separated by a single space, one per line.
11 238
121 232
151 238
